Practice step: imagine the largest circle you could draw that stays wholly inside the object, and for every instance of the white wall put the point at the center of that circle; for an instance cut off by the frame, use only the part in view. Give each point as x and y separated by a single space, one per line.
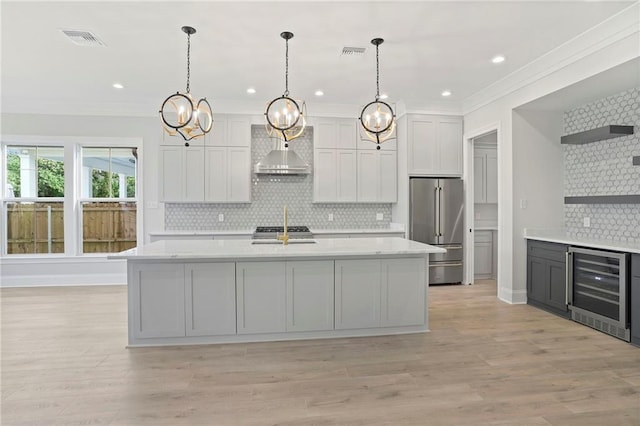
613 43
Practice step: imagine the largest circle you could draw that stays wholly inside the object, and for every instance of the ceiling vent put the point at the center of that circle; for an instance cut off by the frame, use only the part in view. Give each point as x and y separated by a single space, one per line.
83 38
353 52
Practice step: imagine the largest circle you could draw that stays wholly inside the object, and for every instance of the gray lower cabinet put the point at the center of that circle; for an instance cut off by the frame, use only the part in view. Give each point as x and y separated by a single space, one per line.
261 297
635 299
210 298
546 277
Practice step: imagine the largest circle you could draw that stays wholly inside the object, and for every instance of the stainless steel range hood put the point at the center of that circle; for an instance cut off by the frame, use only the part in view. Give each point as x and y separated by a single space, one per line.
282 161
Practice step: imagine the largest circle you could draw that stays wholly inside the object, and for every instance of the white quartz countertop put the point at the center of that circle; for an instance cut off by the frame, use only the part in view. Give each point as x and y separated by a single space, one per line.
243 249
249 232
560 236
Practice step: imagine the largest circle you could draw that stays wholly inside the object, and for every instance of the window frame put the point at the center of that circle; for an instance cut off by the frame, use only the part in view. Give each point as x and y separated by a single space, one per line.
73 179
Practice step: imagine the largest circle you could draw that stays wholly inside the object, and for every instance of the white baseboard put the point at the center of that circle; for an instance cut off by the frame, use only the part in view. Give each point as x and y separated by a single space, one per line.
514 297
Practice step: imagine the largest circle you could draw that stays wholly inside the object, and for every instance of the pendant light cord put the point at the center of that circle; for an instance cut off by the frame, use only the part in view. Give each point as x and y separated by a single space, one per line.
188 60
377 75
286 72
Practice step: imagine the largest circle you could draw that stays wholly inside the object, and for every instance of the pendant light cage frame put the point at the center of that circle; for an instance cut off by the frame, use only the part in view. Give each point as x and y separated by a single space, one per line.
180 113
377 118
286 117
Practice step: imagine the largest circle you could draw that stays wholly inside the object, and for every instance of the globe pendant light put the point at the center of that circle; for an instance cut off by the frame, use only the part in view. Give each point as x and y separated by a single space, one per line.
286 116
181 114
377 118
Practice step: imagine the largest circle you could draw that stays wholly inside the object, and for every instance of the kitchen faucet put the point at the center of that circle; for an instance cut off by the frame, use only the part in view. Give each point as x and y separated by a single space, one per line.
284 237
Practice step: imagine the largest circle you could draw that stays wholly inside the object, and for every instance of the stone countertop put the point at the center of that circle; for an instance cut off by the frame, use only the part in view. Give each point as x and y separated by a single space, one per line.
560 236
244 250
249 232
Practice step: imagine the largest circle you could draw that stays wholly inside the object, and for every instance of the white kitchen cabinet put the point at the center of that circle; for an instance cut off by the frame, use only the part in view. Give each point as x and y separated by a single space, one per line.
483 254
181 173
357 286
216 168
335 133
334 175
310 294
210 299
380 292
485 175
157 299
377 176
260 297
435 145
227 174
404 284
230 130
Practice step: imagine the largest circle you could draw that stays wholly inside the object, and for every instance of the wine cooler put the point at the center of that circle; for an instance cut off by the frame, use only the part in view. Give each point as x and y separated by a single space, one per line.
598 290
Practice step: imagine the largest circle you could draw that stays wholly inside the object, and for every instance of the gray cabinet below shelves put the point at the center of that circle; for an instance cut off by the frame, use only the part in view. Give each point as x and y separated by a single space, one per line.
546 277
635 299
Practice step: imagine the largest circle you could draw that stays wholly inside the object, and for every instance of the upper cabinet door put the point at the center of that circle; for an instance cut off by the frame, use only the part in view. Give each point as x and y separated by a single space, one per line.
334 133
492 176
230 131
388 174
181 173
324 175
435 145
239 174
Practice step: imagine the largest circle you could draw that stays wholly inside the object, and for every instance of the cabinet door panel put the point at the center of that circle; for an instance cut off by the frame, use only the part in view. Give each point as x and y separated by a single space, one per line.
210 295
423 146
346 175
347 135
171 173
357 294
326 133
158 293
239 174
216 173
388 176
194 173
479 174
403 292
492 176
450 146
368 178
482 259
310 295
537 278
218 135
260 297
557 285
325 175
238 131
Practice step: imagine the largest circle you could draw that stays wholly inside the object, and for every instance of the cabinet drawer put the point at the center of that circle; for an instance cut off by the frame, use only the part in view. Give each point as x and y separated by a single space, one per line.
544 250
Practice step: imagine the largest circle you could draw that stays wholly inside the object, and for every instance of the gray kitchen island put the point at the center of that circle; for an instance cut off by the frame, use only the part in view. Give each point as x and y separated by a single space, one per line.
223 291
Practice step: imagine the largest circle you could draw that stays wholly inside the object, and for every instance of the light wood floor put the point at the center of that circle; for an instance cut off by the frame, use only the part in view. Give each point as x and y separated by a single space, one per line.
484 362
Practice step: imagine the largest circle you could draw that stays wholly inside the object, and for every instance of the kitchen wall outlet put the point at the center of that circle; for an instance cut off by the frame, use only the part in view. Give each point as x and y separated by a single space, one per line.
523 203
586 222
330 217
221 217
379 216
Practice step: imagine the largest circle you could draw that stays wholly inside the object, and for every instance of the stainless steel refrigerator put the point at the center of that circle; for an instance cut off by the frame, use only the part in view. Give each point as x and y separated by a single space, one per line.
437 218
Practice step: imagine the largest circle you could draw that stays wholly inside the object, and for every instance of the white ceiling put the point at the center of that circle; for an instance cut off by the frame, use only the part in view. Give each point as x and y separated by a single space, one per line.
429 47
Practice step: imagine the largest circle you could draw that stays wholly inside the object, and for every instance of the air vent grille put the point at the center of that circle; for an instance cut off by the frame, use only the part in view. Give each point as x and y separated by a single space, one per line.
353 51
83 38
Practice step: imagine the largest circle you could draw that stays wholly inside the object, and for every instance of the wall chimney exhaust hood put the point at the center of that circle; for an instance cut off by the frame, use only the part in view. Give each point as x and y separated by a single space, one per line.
599 134
282 161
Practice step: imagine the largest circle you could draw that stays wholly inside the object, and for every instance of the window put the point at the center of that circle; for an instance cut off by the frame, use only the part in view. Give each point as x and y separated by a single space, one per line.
34 202
107 202
69 195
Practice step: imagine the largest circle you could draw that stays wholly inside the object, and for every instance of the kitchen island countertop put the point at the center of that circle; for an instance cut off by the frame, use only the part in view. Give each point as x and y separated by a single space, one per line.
560 236
243 249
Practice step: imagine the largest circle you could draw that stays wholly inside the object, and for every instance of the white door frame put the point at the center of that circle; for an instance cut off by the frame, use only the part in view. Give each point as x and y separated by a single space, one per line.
467 177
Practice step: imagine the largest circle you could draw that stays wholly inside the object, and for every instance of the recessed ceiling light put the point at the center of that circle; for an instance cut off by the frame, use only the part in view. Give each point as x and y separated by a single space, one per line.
118 86
251 90
497 59
446 93
319 93
384 96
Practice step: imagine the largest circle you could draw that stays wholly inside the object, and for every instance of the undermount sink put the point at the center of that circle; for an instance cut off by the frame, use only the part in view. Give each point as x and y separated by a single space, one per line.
293 241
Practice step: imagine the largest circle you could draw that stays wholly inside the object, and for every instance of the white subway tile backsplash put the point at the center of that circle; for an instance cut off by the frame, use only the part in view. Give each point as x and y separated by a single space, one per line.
604 168
270 193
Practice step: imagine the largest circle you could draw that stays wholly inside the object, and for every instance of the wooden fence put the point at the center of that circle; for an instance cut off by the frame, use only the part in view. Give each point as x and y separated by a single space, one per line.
107 227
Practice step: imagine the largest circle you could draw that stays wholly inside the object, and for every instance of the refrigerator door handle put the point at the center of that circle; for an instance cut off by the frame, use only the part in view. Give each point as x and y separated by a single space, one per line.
440 213
436 217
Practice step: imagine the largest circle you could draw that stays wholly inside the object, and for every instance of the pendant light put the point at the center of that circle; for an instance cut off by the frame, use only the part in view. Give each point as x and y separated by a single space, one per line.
286 116
377 118
180 113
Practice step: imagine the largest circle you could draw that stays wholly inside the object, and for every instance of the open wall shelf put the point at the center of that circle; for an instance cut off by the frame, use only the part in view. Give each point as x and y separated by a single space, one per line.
599 134
603 199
